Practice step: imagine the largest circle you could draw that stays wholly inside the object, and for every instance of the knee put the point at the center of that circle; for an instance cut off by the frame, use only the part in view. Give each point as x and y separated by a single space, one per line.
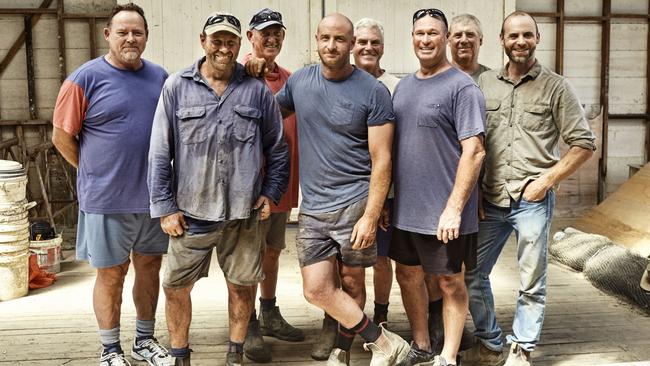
316 295
451 285
113 276
406 275
175 294
271 254
383 265
146 263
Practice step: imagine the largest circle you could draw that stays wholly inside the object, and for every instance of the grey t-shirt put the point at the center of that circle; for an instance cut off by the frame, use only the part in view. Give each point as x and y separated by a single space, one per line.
333 120
432 116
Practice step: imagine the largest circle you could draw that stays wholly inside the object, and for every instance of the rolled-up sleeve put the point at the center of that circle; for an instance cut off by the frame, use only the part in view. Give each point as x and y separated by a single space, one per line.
276 152
570 119
160 176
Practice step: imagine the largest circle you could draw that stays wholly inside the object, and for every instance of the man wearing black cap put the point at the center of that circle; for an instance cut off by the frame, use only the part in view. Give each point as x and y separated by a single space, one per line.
266 34
213 129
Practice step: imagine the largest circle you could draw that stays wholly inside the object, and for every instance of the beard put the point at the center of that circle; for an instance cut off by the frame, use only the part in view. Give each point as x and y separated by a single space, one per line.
332 62
520 59
130 56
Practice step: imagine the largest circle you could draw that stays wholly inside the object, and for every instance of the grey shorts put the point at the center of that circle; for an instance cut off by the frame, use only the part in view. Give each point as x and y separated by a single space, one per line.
106 240
239 252
274 229
322 235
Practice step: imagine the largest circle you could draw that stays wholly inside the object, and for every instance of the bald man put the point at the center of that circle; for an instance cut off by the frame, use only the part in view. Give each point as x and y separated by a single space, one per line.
345 128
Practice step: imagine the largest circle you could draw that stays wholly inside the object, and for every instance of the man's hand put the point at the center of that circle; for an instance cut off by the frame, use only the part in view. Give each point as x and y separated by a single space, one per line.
265 203
256 67
363 233
384 218
174 224
448 225
535 191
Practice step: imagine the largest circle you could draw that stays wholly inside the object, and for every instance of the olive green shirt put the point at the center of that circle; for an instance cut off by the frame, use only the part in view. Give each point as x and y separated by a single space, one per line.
525 120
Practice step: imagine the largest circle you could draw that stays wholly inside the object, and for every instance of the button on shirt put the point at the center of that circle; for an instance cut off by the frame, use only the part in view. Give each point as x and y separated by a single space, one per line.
207 151
525 120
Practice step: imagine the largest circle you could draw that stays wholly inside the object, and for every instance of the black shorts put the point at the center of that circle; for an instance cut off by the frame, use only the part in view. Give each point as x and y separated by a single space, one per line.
435 257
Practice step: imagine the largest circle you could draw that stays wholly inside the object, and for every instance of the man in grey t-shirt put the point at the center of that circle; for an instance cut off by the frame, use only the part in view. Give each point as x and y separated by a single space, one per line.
438 154
345 131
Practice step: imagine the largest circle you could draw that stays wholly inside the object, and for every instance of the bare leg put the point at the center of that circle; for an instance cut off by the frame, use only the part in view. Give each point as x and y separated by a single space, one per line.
353 283
270 266
107 295
454 312
178 310
414 297
147 285
240 307
382 279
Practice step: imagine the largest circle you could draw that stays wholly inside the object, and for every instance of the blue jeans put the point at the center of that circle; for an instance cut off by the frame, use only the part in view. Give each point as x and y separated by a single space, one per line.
531 222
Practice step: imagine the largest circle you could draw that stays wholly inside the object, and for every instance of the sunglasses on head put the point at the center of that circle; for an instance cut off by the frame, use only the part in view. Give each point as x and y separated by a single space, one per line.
220 18
432 12
265 17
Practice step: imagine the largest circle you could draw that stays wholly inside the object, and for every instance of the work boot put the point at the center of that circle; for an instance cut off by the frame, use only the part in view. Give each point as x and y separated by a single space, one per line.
339 357
399 349
481 355
254 347
178 361
416 356
235 359
326 340
273 324
518 356
436 332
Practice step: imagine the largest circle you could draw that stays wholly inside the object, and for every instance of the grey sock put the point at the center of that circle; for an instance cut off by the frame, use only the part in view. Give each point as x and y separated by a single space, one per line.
109 337
144 328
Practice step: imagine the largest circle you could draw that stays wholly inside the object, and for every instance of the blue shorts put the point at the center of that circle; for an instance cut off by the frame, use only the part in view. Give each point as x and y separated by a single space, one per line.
383 237
106 240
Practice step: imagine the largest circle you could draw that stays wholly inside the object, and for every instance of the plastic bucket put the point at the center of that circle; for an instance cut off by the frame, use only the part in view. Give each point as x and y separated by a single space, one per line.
48 254
20 234
13 189
14 246
14 275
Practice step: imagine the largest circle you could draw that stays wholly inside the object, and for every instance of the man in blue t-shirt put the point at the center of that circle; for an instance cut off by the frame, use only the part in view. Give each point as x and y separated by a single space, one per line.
345 131
438 151
102 124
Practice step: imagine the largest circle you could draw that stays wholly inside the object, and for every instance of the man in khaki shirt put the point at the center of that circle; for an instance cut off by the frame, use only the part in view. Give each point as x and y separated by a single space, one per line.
529 108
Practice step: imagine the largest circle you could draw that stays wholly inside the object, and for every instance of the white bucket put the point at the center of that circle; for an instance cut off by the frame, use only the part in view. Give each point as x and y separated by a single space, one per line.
14 246
14 275
15 235
48 254
13 189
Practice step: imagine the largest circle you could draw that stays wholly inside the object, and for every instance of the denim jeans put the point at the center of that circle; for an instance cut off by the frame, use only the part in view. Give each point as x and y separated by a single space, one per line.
531 222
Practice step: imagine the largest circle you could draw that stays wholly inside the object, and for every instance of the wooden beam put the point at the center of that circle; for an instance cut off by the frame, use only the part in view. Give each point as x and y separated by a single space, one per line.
29 59
559 38
604 95
60 34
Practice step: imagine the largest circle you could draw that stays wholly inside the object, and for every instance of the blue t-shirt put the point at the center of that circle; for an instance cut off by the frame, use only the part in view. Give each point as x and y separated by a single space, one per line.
432 116
111 111
333 119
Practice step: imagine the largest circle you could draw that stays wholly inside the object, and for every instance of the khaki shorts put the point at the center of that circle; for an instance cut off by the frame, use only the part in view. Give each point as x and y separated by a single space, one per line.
239 252
274 229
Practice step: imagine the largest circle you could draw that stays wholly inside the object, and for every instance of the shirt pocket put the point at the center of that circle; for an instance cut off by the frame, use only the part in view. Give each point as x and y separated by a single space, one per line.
492 107
343 113
429 116
536 117
191 124
246 124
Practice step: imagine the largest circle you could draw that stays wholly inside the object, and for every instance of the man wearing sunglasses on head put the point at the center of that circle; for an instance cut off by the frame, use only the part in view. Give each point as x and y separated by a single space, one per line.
266 35
438 149
213 129
345 129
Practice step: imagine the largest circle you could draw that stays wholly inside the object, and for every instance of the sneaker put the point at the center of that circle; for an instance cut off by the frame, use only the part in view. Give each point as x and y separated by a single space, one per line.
518 356
481 355
416 356
177 361
254 347
113 359
152 352
339 357
234 359
440 361
272 324
398 346
326 340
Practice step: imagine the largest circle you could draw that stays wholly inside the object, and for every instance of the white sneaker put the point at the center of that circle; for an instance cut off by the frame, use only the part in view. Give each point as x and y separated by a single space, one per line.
152 352
113 359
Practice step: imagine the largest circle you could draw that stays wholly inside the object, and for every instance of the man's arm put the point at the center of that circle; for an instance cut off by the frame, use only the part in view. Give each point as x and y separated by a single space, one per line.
467 173
574 158
275 150
67 145
380 143
286 112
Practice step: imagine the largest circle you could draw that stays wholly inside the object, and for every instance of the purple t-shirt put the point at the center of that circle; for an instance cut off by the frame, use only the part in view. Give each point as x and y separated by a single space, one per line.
111 111
432 116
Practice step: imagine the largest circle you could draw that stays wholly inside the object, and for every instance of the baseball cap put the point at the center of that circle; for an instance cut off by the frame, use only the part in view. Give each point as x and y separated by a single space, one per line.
220 21
265 18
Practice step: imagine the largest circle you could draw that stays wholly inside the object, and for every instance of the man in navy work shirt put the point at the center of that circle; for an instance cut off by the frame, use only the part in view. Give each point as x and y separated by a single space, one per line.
213 130
102 124
345 131
439 132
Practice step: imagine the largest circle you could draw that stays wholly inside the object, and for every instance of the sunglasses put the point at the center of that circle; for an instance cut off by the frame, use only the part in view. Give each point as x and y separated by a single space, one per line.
220 18
265 17
432 12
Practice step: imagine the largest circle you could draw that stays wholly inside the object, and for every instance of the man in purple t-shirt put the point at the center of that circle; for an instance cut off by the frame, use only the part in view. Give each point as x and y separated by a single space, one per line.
438 152
102 125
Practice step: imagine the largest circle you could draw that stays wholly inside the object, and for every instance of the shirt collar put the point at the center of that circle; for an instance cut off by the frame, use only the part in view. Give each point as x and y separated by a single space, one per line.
194 71
533 73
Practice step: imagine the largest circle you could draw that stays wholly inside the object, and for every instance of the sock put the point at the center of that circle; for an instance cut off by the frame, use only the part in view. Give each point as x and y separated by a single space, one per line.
381 308
435 307
267 304
180 352
368 330
253 316
345 338
234 347
144 329
110 339
327 316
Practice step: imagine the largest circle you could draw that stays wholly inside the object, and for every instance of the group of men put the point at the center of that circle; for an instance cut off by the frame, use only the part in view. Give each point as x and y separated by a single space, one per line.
208 158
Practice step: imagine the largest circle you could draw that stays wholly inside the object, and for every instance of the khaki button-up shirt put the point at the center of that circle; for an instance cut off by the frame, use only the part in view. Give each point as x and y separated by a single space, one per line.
525 120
